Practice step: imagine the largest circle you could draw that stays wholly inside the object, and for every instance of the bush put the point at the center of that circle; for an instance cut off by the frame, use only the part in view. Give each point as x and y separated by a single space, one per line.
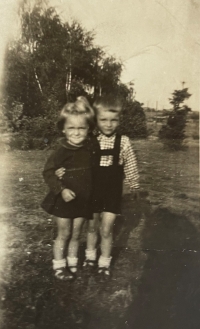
35 133
12 116
20 142
24 142
173 133
133 120
4 123
40 131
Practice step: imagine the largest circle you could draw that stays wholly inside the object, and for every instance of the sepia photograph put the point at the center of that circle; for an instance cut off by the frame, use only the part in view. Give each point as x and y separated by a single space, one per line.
99 164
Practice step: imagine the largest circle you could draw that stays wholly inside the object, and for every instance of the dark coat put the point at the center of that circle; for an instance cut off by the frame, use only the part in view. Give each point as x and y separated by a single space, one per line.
78 178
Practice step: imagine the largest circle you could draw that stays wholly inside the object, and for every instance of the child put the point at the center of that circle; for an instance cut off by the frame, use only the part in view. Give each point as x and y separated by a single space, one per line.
114 160
69 199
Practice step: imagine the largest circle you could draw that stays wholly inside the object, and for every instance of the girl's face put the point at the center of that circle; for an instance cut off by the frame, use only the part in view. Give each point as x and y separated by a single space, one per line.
107 122
76 129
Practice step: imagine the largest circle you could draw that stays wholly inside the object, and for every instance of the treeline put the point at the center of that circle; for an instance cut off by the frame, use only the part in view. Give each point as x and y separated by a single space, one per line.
53 62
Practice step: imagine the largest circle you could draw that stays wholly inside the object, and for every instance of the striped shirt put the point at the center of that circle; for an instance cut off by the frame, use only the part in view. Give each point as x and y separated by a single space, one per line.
127 158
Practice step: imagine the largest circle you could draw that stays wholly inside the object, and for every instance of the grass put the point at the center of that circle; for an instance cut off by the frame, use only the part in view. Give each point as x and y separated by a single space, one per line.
30 297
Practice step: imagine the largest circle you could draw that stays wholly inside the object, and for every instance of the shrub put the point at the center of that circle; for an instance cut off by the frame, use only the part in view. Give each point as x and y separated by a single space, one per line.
40 131
13 115
173 133
35 133
133 120
20 142
23 141
4 123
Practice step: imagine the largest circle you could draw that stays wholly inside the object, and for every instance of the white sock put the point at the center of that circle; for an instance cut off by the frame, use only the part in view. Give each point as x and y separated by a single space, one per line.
91 254
59 263
104 261
72 261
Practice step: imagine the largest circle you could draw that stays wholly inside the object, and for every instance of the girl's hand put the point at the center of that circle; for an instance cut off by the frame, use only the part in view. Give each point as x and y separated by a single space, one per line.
60 172
68 195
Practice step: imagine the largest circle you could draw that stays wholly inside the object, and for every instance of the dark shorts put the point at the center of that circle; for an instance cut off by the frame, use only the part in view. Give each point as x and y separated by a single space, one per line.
107 192
106 205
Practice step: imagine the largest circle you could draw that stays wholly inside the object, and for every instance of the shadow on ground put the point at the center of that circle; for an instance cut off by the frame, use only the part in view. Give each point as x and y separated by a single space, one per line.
168 296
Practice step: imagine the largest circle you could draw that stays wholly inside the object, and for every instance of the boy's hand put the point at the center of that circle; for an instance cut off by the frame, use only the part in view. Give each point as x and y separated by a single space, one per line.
60 172
135 195
68 195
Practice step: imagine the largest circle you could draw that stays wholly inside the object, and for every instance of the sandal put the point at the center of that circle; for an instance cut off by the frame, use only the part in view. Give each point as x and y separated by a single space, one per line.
89 263
104 273
63 274
75 267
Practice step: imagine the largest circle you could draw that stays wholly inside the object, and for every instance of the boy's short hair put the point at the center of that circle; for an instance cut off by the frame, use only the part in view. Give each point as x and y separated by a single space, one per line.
80 107
108 103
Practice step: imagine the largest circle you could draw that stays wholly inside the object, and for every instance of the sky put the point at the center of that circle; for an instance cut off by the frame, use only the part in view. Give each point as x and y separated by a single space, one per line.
158 41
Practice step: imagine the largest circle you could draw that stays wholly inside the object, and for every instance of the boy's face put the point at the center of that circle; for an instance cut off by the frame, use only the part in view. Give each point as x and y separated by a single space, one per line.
107 122
76 129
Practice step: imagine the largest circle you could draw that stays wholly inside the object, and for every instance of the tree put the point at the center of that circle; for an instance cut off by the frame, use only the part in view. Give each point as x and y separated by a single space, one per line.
173 133
31 60
54 60
178 97
50 63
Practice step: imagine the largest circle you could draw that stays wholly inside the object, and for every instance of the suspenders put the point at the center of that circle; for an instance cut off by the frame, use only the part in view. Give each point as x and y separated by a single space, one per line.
107 180
114 152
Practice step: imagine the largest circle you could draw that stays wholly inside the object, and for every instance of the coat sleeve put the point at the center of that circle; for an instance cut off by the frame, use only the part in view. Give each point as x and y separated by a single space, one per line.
50 178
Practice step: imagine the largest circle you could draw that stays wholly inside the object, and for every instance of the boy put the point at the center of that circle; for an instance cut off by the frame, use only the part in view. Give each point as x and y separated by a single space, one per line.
113 160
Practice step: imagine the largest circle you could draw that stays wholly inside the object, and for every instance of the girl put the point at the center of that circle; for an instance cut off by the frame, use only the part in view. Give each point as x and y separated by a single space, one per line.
69 198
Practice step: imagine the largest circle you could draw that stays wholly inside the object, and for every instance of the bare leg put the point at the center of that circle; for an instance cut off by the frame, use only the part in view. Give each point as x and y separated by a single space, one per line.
106 232
92 232
74 241
59 262
64 225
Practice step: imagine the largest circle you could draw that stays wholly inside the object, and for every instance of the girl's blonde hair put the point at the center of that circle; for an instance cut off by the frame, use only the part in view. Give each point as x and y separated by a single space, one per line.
80 107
